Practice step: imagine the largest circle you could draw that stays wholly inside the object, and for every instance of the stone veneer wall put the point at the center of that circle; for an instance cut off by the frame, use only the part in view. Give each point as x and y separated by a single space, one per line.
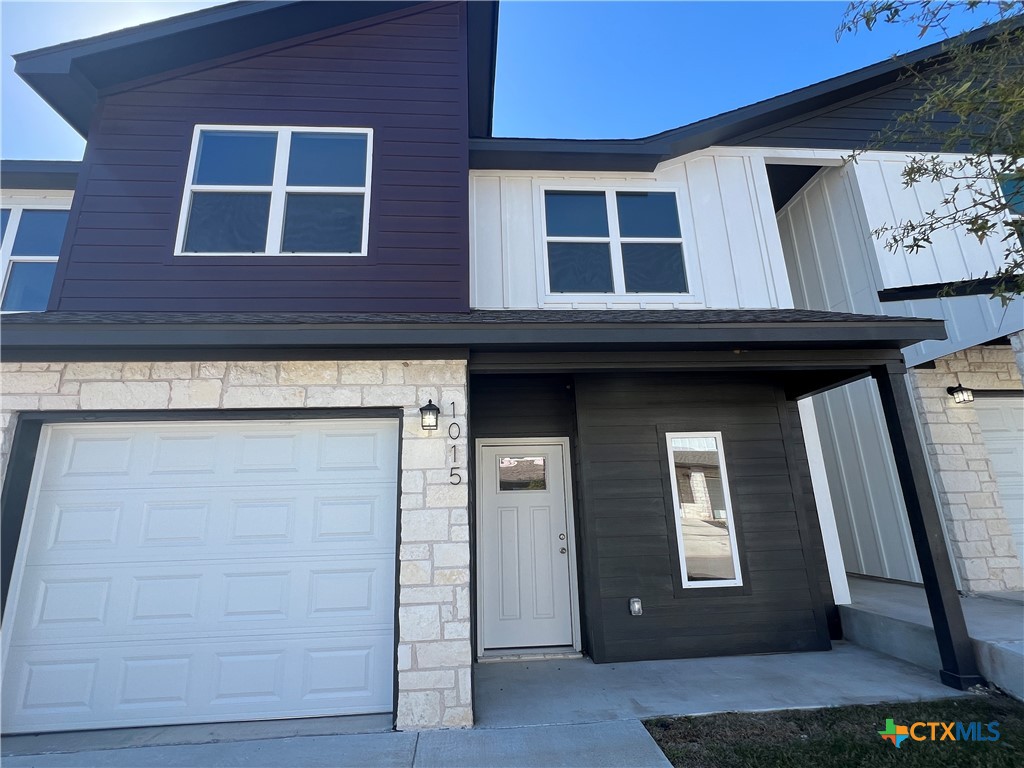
434 653
977 529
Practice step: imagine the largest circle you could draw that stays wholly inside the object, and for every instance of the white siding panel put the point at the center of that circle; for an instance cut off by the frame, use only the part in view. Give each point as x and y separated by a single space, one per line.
520 275
951 256
711 232
487 241
826 254
726 216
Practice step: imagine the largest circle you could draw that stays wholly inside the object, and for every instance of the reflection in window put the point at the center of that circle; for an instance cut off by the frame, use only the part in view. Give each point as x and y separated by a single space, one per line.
522 473
707 536
278 191
28 286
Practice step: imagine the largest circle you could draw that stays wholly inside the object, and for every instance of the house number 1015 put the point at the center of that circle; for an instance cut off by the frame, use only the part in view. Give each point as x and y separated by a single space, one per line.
454 433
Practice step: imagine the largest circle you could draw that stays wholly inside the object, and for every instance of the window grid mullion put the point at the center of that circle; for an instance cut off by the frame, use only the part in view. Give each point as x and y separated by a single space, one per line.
678 240
7 246
615 244
278 194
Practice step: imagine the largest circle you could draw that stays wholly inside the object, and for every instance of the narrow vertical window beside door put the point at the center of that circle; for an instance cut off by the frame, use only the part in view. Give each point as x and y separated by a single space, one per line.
704 523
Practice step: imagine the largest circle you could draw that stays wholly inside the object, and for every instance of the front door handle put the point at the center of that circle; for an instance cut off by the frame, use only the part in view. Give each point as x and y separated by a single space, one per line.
562 550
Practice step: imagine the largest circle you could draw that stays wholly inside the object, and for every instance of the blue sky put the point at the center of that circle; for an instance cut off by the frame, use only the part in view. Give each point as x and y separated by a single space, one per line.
565 69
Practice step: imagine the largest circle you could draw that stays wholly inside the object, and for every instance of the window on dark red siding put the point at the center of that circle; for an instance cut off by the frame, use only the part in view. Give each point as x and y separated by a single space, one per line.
277 191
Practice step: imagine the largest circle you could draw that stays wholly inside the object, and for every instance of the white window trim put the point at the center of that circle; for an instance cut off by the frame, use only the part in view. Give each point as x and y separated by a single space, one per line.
278 189
24 201
615 241
676 515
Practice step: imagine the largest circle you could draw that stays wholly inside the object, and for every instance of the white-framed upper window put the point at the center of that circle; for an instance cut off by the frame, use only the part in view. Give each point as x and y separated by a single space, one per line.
613 241
277 192
704 523
31 234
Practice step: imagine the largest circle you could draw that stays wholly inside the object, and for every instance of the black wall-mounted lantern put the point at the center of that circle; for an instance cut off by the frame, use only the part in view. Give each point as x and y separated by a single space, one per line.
960 394
428 415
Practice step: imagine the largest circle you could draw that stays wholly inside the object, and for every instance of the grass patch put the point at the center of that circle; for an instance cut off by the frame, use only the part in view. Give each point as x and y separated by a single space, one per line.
842 736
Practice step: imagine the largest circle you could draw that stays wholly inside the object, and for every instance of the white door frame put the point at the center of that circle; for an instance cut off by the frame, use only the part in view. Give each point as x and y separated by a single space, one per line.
570 521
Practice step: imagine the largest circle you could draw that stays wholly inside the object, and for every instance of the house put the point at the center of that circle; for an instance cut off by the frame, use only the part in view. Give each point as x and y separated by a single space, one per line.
337 394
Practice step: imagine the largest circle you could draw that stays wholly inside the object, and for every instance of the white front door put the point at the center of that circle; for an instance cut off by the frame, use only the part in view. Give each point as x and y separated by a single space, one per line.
525 558
1002 425
191 572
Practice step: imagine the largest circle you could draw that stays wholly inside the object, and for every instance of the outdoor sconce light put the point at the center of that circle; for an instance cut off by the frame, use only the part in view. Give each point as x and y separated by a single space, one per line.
636 608
961 394
428 415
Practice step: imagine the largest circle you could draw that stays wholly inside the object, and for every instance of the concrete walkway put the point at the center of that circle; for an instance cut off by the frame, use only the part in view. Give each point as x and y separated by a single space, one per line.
564 714
600 745
893 618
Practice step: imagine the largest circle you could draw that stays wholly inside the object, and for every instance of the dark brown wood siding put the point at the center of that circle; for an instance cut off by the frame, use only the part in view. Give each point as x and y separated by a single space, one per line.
629 547
404 75
521 406
626 543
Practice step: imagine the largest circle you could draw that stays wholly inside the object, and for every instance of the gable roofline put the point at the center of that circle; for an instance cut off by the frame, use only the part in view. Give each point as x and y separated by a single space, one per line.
39 174
645 153
71 76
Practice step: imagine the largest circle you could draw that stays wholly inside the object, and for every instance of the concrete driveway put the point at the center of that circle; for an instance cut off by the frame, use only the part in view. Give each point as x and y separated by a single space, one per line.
562 714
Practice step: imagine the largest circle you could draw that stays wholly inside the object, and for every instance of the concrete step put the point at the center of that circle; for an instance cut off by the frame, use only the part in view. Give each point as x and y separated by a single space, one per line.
1001 661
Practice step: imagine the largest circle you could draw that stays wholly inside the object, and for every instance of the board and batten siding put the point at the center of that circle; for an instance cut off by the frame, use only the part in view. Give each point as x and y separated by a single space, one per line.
403 74
831 264
628 544
726 218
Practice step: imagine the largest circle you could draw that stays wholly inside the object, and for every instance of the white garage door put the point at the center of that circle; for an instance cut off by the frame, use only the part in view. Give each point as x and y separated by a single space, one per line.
202 572
1002 425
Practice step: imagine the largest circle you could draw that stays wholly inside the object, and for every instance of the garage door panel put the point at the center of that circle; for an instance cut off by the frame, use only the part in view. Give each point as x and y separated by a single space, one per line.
220 453
1002 426
132 599
203 572
85 526
90 686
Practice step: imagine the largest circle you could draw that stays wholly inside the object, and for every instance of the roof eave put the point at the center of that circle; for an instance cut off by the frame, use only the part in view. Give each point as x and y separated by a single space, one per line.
27 341
39 174
69 76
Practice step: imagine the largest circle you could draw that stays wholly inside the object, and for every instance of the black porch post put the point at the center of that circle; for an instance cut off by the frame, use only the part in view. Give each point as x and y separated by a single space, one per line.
959 668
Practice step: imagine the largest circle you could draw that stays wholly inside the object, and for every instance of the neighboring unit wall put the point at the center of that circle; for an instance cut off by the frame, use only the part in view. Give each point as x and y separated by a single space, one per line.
835 265
726 217
404 75
434 654
827 253
977 527
951 257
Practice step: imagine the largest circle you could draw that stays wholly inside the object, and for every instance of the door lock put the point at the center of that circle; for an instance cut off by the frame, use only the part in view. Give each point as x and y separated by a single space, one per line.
561 537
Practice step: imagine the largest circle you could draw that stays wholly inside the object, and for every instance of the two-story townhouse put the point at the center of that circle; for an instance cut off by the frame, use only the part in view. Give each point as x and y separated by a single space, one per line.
337 394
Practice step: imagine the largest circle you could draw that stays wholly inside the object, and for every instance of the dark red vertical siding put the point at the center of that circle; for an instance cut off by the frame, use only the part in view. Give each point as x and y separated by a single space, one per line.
404 75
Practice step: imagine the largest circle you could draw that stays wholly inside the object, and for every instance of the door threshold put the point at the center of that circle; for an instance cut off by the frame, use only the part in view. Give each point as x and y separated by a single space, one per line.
529 654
